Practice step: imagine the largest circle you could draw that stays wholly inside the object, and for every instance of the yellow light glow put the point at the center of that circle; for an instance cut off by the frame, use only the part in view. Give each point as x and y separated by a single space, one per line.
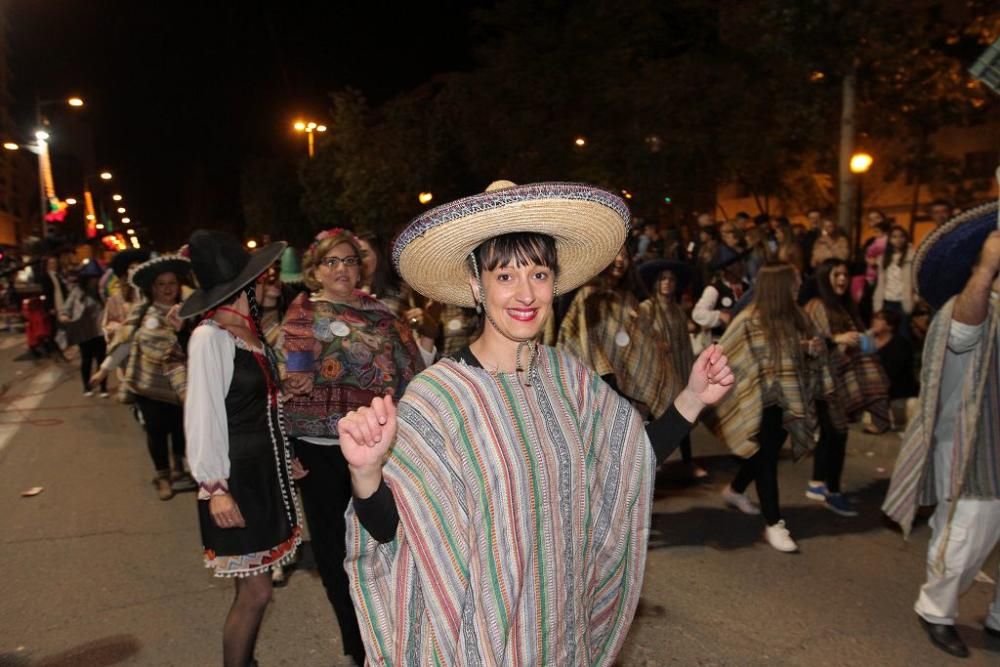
106 176
100 226
10 145
121 209
91 216
310 125
135 243
74 102
580 141
116 197
299 126
42 135
71 201
251 244
425 197
321 128
126 220
130 232
861 162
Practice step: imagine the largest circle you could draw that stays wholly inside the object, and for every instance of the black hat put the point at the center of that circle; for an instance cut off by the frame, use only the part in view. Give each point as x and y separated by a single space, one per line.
649 271
223 268
727 256
90 270
126 258
142 276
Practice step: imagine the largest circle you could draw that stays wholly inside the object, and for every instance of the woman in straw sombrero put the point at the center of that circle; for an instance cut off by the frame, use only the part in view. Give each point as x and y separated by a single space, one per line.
505 521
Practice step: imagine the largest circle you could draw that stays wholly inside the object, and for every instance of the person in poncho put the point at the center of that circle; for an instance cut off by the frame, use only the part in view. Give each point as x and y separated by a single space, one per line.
781 370
951 450
509 522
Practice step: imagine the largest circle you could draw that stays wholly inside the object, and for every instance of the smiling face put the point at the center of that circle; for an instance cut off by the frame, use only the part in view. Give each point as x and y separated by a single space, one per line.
166 288
839 279
518 298
898 239
337 278
619 267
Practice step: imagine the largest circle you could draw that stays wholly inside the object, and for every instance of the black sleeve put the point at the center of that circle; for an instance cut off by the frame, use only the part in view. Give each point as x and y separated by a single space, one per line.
666 433
378 514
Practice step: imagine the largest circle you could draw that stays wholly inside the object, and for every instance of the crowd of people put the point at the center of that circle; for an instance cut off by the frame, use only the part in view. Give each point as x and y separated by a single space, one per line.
469 420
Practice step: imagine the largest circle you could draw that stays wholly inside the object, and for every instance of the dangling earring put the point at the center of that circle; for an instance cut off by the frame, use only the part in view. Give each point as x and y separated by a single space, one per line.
479 307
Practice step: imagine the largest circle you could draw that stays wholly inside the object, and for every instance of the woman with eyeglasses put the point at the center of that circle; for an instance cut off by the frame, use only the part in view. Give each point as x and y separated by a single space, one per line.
342 348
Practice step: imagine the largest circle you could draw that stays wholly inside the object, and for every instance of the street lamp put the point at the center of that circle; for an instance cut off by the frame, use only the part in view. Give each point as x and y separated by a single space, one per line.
251 244
309 128
125 221
121 209
11 146
860 163
116 197
425 197
580 142
70 200
75 102
106 176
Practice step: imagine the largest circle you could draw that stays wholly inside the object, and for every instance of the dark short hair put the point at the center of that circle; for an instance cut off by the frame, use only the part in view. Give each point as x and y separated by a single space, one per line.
743 215
520 248
891 317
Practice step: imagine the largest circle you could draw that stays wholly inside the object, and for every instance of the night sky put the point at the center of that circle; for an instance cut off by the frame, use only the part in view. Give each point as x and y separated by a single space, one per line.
179 94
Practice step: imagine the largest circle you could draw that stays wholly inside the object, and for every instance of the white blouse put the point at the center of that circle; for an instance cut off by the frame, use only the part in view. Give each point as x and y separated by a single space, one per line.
211 354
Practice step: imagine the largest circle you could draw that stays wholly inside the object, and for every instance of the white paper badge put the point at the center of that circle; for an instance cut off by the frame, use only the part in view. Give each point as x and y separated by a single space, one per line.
339 328
726 302
151 323
622 338
455 324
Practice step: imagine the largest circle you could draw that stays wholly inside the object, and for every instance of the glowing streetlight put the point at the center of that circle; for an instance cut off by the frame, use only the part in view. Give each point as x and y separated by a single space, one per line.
309 127
71 201
91 217
125 221
130 232
106 176
425 197
121 209
42 135
11 146
75 102
861 163
580 142
116 197
100 225
251 244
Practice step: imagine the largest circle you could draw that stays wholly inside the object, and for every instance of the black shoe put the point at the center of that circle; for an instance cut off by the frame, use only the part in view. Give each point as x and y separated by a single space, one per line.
992 632
946 638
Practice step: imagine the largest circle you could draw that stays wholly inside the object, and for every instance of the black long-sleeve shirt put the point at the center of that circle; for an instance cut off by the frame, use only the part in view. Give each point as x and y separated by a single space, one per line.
379 515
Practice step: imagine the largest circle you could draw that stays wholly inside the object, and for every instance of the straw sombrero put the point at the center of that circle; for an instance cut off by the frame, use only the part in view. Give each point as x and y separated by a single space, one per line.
143 275
589 225
943 262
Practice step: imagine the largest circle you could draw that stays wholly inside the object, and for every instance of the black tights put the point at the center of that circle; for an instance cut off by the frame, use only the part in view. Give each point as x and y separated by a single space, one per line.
239 634
762 467
163 421
92 351
828 464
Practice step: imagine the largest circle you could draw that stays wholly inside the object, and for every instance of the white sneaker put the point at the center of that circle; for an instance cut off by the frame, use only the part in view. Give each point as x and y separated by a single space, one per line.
739 501
779 538
88 393
105 394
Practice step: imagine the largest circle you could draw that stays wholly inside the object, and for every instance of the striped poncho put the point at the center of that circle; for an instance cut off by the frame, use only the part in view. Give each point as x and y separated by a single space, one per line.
523 521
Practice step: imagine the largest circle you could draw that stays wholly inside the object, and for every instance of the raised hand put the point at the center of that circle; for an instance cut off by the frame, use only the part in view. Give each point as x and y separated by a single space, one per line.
711 377
366 434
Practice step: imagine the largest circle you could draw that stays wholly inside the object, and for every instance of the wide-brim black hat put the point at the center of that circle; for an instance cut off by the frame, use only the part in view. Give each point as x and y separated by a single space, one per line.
725 257
649 271
142 276
125 259
222 268
90 270
943 263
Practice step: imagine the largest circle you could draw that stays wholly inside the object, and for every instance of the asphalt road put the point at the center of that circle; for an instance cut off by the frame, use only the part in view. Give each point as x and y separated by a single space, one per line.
97 571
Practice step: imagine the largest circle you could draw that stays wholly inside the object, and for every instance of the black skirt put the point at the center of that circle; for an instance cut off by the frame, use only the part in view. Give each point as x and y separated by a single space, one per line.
271 534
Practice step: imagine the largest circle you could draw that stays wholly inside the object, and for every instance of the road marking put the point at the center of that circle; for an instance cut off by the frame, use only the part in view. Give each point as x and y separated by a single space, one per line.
32 394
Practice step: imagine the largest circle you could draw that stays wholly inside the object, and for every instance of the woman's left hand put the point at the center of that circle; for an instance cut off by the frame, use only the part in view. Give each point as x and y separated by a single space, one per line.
298 472
174 318
711 377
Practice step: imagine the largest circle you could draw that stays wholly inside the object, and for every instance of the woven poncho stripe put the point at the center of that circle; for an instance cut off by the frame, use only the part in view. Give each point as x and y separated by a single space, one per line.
524 517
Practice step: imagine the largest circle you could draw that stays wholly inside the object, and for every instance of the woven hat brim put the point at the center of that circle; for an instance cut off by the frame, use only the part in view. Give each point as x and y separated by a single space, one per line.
589 227
943 263
206 299
648 271
143 275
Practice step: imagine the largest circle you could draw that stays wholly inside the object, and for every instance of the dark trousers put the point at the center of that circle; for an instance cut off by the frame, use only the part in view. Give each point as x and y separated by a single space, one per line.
828 460
326 491
762 467
903 329
92 351
163 421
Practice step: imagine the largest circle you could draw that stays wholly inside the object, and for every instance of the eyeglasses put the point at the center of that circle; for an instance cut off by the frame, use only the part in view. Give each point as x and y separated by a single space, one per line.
333 262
